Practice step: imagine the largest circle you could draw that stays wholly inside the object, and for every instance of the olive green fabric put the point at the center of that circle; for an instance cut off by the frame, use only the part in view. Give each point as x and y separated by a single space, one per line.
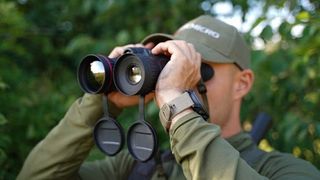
203 154
196 144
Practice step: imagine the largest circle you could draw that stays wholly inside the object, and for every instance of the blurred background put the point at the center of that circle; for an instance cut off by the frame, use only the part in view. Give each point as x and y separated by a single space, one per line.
42 43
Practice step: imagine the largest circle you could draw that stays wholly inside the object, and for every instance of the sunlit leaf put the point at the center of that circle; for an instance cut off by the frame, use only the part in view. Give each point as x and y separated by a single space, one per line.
267 33
303 16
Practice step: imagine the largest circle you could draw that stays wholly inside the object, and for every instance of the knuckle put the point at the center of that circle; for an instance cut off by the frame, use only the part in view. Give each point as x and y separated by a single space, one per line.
198 55
191 45
117 48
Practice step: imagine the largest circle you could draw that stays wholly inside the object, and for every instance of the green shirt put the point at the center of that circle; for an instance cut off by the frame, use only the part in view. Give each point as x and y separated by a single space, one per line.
199 151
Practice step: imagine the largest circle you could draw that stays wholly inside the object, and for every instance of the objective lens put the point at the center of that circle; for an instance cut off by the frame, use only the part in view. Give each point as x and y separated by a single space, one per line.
96 74
134 74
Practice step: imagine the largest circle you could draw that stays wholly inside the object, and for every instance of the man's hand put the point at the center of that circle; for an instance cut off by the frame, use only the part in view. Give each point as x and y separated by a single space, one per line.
182 72
119 99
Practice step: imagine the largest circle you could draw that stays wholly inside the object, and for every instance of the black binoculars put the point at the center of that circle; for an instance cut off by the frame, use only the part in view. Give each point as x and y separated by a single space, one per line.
133 73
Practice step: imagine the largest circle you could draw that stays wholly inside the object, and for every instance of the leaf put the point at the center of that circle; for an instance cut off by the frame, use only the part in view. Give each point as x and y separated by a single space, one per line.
267 33
3 85
3 156
257 22
3 119
284 30
303 16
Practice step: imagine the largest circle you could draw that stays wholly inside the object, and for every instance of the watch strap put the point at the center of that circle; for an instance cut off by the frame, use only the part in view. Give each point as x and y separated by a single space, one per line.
174 107
180 103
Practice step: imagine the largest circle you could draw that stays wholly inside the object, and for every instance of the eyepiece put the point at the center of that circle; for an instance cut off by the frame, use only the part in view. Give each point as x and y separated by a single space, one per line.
136 72
95 74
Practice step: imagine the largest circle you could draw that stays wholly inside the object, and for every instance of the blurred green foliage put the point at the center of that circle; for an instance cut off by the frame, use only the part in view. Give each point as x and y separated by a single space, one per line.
42 42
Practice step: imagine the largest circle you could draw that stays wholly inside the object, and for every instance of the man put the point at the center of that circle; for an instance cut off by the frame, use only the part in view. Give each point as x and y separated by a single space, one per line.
217 149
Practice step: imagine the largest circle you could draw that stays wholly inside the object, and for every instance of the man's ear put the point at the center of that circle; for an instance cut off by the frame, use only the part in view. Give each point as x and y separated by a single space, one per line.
243 83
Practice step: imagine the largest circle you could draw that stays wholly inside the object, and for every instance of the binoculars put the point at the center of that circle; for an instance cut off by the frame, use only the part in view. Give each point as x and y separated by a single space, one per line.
134 73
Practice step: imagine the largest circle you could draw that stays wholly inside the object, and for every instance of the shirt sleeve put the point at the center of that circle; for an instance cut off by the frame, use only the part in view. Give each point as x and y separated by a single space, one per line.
60 154
276 165
203 154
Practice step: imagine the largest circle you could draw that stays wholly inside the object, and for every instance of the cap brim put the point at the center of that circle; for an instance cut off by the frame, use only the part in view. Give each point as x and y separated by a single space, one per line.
157 38
207 54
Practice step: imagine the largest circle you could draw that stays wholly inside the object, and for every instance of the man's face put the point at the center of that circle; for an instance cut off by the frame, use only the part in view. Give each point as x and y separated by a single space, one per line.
220 92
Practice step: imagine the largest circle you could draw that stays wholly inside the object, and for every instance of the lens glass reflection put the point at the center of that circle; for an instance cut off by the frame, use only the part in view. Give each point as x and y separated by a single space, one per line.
134 74
96 74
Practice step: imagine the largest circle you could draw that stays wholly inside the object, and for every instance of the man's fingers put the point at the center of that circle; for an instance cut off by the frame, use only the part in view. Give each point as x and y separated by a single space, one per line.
150 45
166 47
119 50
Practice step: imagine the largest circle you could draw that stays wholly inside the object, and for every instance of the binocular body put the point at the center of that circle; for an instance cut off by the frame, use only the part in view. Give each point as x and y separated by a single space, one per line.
134 73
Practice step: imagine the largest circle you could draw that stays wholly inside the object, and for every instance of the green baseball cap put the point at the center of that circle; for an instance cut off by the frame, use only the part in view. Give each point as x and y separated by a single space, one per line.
215 40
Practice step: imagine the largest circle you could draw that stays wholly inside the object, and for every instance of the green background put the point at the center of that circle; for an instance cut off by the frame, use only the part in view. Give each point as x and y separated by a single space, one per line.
42 43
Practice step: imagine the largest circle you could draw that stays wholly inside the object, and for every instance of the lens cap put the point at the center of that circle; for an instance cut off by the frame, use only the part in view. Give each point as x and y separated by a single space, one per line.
142 141
109 136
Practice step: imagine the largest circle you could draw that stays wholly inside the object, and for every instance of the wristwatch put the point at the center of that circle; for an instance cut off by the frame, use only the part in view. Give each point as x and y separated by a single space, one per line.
187 100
